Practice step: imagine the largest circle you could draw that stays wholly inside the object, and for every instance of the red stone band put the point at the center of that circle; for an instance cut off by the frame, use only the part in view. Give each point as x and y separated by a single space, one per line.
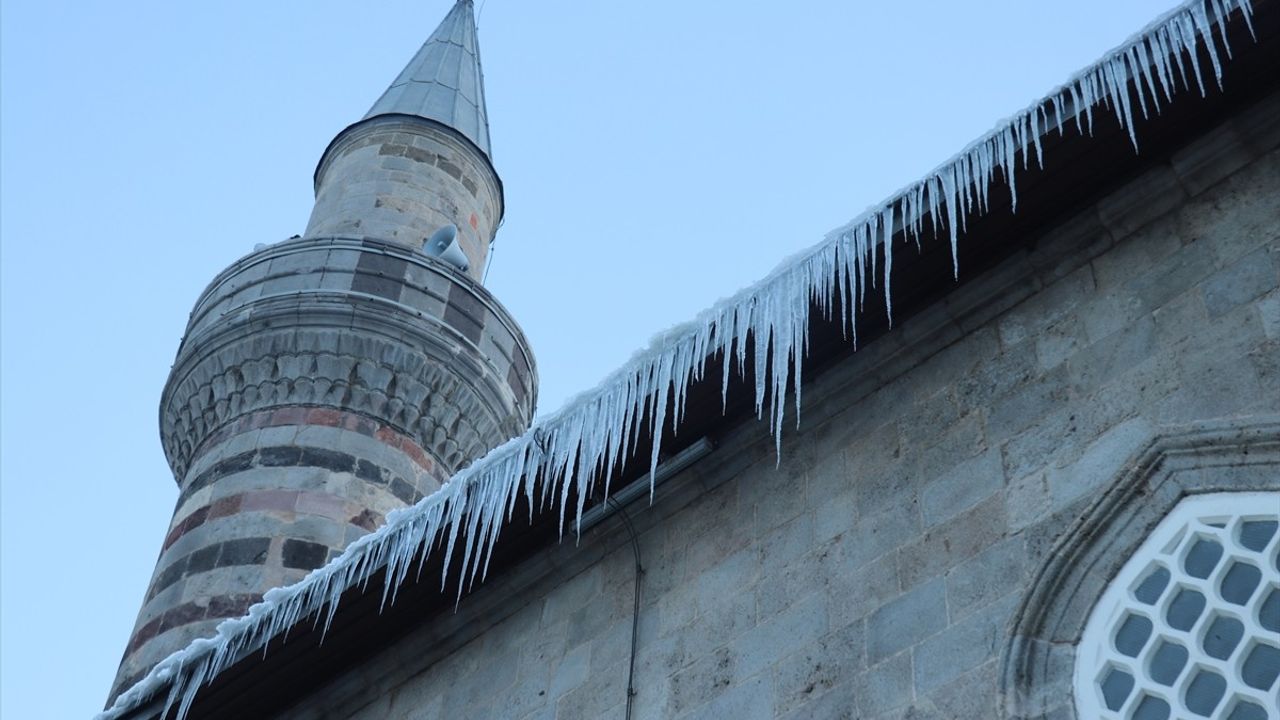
309 503
323 417
223 606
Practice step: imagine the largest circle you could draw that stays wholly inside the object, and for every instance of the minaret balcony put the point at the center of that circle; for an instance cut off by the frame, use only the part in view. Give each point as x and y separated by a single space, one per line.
359 325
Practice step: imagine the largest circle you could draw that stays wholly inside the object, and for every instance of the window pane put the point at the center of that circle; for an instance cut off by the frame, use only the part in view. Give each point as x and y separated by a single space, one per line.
1202 558
1116 688
1151 588
1185 609
1205 692
1240 582
1167 662
1261 667
1132 635
1223 635
1256 534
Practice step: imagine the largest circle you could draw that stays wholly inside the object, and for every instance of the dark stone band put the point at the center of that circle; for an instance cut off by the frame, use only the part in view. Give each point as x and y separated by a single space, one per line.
244 551
287 456
223 606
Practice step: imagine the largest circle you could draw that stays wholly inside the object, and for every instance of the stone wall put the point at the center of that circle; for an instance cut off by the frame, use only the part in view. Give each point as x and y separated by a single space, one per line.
899 562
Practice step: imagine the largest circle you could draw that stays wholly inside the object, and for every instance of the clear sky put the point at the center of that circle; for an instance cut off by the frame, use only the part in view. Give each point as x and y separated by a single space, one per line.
657 155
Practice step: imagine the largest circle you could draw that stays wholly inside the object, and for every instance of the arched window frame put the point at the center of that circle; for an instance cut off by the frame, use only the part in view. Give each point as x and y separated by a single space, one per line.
1167 553
1036 674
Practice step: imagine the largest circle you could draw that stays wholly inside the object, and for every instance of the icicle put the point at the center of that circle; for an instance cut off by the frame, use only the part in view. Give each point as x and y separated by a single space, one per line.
888 268
557 461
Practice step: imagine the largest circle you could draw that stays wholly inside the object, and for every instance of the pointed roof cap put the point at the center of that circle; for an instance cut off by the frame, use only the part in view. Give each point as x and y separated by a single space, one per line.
443 82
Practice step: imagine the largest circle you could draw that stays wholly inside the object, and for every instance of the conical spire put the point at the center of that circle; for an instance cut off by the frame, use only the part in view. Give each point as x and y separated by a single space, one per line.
443 82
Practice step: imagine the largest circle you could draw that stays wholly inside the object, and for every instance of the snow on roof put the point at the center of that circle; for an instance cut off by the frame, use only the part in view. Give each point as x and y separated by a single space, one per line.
597 429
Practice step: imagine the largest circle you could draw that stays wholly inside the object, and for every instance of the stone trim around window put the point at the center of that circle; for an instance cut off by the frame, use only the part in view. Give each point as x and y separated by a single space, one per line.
1038 662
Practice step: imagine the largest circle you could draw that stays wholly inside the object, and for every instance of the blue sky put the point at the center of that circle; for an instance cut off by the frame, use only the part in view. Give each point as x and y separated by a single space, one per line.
657 155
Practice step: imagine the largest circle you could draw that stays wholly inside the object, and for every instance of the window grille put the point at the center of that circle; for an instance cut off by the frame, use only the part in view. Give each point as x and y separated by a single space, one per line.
1190 627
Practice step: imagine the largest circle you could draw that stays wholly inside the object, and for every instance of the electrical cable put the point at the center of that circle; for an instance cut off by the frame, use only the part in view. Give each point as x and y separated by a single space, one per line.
635 610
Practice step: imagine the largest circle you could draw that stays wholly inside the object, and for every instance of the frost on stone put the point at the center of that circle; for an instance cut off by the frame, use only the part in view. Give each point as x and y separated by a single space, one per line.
555 463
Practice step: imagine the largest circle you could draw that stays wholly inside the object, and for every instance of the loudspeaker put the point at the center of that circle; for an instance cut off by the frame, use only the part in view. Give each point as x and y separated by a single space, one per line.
443 244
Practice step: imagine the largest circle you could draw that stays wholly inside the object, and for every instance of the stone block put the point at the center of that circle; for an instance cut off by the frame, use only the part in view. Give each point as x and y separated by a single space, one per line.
838 703
701 682
834 515
1269 311
929 419
736 573
952 542
1125 397
976 304
906 620
787 542
936 372
678 607
749 700
1234 334
1070 244
1111 356
730 617
1099 463
612 646
303 555
1178 320
1212 389
1042 443
1143 248
570 671
961 487
797 626
853 596
1237 216
570 596
1027 500
963 646
597 616
1249 278
971 695
878 534
776 508
963 440
1266 363
1059 342
1047 307
1259 125
817 668
1150 195
876 471
1023 406
591 701
1211 158
716 549
980 388
884 686
986 577
1110 312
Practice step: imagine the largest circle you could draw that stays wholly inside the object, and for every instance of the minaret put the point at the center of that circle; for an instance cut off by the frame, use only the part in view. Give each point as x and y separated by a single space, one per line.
327 380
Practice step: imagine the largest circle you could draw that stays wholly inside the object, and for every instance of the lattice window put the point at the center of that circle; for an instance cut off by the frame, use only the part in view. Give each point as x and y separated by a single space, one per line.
1190 628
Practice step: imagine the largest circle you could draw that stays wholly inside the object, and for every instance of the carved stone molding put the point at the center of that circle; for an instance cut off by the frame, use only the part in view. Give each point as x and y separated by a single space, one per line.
356 326
1039 657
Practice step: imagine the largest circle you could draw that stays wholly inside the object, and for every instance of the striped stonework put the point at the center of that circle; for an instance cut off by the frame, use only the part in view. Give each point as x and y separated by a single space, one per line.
399 178
322 384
